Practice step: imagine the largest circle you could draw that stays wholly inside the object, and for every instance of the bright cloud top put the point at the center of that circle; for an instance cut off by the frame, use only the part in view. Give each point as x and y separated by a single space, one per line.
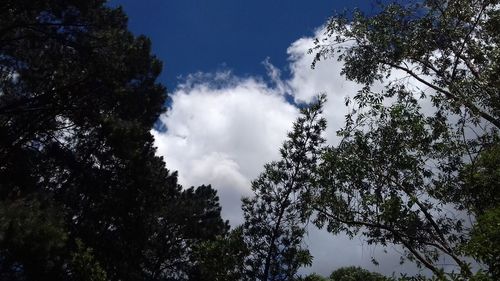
222 129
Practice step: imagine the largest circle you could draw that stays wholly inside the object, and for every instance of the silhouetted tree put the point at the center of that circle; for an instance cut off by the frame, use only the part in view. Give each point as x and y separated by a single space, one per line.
276 214
82 194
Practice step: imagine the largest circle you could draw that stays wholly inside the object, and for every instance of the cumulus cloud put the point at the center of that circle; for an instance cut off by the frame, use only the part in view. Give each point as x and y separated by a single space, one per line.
305 83
222 129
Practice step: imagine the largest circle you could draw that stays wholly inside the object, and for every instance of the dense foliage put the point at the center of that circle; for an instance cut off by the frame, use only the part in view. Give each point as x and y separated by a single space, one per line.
351 273
82 194
356 274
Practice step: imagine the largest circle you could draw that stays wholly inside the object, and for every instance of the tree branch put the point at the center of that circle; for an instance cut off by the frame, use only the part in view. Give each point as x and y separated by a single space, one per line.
447 94
419 256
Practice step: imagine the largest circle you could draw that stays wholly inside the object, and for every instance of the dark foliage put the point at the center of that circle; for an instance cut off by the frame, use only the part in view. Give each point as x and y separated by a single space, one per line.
275 216
81 189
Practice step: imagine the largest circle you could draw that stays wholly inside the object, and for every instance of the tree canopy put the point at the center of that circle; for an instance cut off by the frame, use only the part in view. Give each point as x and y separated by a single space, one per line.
350 273
83 196
413 167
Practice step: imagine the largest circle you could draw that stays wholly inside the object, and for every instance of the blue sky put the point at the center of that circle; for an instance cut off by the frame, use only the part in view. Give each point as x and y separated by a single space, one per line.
230 106
203 35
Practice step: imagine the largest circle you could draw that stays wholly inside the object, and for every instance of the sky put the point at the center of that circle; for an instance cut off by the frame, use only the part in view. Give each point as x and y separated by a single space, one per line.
235 71
202 35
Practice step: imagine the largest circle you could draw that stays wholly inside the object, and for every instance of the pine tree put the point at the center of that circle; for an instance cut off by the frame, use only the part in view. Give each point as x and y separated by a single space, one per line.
81 189
275 216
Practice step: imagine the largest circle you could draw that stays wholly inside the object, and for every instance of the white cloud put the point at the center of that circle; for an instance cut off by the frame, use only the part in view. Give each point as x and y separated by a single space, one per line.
222 129
305 83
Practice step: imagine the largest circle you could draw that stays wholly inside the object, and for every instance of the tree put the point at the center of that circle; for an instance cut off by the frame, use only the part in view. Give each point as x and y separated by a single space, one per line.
397 176
276 214
448 46
315 277
222 259
32 233
350 273
353 273
482 178
78 97
483 244
187 223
